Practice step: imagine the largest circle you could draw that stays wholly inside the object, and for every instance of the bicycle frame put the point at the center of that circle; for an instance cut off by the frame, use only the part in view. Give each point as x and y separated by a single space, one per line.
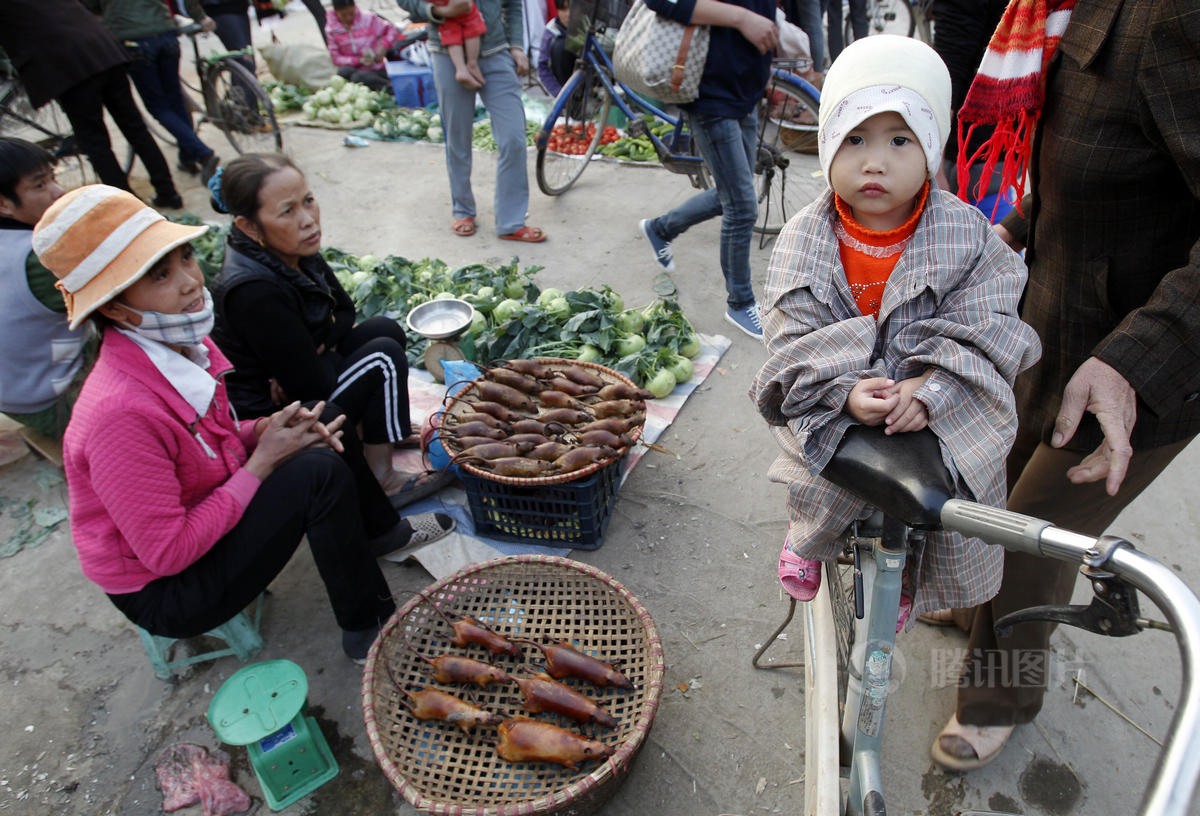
598 63
911 496
1174 778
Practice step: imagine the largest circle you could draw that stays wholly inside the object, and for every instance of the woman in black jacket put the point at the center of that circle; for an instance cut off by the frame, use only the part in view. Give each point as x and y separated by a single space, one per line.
288 327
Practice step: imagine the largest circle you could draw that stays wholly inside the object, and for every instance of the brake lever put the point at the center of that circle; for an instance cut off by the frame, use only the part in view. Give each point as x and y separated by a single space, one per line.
1113 611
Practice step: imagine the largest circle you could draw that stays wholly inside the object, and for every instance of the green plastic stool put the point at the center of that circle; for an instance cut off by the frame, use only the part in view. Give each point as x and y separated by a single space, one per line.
262 707
240 633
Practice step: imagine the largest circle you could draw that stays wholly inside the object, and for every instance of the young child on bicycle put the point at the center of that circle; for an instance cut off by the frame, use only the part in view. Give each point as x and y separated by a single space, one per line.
889 301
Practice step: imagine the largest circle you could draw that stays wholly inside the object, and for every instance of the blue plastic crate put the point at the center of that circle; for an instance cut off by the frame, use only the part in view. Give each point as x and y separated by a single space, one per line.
571 514
412 84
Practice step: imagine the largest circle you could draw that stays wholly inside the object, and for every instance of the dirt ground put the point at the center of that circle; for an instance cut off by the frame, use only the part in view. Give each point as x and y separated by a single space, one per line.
694 537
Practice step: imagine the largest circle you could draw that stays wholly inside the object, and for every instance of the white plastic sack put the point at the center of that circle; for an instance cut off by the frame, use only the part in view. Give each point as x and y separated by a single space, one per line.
793 41
299 64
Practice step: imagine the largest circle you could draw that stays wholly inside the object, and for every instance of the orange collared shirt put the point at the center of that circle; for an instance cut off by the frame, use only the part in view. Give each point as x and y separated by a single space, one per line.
868 256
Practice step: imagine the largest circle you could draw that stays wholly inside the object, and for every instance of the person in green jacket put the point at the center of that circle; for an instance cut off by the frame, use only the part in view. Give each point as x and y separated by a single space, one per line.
146 28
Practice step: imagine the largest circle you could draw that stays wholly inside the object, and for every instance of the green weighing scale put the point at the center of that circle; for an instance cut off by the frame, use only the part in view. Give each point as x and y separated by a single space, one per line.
262 707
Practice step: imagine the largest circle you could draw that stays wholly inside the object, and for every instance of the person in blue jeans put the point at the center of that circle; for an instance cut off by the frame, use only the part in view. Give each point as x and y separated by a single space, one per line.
147 30
723 121
503 61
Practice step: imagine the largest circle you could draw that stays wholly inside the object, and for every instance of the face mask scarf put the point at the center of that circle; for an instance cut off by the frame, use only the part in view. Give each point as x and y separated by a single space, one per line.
183 329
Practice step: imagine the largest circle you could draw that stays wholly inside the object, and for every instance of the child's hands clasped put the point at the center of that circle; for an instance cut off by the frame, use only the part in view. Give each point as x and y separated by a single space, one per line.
883 401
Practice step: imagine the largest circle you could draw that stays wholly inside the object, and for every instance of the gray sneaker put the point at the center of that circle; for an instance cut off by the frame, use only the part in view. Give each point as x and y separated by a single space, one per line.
661 248
747 319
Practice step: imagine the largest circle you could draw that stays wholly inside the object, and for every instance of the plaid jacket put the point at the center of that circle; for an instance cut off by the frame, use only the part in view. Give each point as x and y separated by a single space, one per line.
950 304
1114 240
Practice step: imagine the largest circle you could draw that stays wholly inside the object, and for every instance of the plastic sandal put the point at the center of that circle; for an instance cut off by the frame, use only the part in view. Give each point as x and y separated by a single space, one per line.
801 577
985 741
463 227
530 235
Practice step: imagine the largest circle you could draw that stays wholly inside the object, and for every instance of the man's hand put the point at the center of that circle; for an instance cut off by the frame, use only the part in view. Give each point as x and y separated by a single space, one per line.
871 400
759 31
521 59
1098 388
208 25
368 58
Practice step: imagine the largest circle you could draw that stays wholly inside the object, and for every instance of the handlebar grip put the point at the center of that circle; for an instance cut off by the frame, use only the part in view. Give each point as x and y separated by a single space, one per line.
189 29
1012 531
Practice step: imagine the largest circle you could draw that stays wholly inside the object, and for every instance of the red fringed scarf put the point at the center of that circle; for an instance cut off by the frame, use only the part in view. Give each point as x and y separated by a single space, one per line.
1008 91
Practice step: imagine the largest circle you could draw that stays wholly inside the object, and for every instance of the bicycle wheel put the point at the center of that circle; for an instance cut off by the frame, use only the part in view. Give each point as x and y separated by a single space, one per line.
885 17
786 162
573 131
239 106
48 127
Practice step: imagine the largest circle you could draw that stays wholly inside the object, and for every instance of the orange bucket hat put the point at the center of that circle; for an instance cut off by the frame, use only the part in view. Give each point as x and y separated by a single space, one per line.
98 240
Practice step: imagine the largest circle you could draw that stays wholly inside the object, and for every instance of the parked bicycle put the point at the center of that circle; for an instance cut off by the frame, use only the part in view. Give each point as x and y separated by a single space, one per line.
575 125
850 627
787 129
585 105
233 99
47 126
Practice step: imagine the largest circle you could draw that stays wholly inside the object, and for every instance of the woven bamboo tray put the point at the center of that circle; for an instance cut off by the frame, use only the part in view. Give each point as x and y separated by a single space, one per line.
439 769
461 404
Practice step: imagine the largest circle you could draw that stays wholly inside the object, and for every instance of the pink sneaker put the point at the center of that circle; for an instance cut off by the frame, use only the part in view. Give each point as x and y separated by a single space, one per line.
801 577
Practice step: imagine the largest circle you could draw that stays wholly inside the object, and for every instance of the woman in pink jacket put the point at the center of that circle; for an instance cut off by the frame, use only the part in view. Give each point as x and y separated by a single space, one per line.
180 512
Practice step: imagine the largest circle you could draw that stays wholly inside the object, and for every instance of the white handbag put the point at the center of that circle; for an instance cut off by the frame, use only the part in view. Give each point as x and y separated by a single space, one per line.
658 57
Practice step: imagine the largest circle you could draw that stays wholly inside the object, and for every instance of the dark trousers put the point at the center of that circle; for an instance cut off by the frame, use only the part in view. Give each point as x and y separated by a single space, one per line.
372 383
1004 679
84 105
155 73
310 494
375 79
833 14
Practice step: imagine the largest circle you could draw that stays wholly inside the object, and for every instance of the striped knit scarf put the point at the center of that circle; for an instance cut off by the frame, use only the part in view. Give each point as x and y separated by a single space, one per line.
1008 91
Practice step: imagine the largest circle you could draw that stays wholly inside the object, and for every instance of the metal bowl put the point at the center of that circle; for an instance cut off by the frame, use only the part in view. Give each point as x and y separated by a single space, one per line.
440 319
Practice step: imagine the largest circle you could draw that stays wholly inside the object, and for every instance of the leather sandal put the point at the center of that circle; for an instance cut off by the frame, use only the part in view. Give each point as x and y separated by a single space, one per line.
985 742
463 227
937 617
530 235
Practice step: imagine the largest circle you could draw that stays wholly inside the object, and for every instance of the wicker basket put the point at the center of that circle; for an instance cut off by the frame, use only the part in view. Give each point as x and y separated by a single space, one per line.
439 769
461 404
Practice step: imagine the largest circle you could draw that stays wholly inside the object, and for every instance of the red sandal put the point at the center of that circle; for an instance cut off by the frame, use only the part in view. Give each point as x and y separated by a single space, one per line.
463 227
530 235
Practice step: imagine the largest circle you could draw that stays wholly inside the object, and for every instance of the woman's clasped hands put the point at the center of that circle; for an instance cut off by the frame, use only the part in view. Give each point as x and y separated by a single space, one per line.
290 430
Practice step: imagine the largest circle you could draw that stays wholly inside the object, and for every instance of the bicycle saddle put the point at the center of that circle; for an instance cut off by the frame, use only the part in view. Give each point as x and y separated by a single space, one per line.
902 474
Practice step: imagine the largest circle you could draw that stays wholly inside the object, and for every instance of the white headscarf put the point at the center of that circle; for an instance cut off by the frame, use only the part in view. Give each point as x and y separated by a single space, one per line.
886 73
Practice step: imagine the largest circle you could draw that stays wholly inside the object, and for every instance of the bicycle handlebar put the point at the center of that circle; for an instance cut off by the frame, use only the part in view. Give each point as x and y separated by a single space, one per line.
1174 778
